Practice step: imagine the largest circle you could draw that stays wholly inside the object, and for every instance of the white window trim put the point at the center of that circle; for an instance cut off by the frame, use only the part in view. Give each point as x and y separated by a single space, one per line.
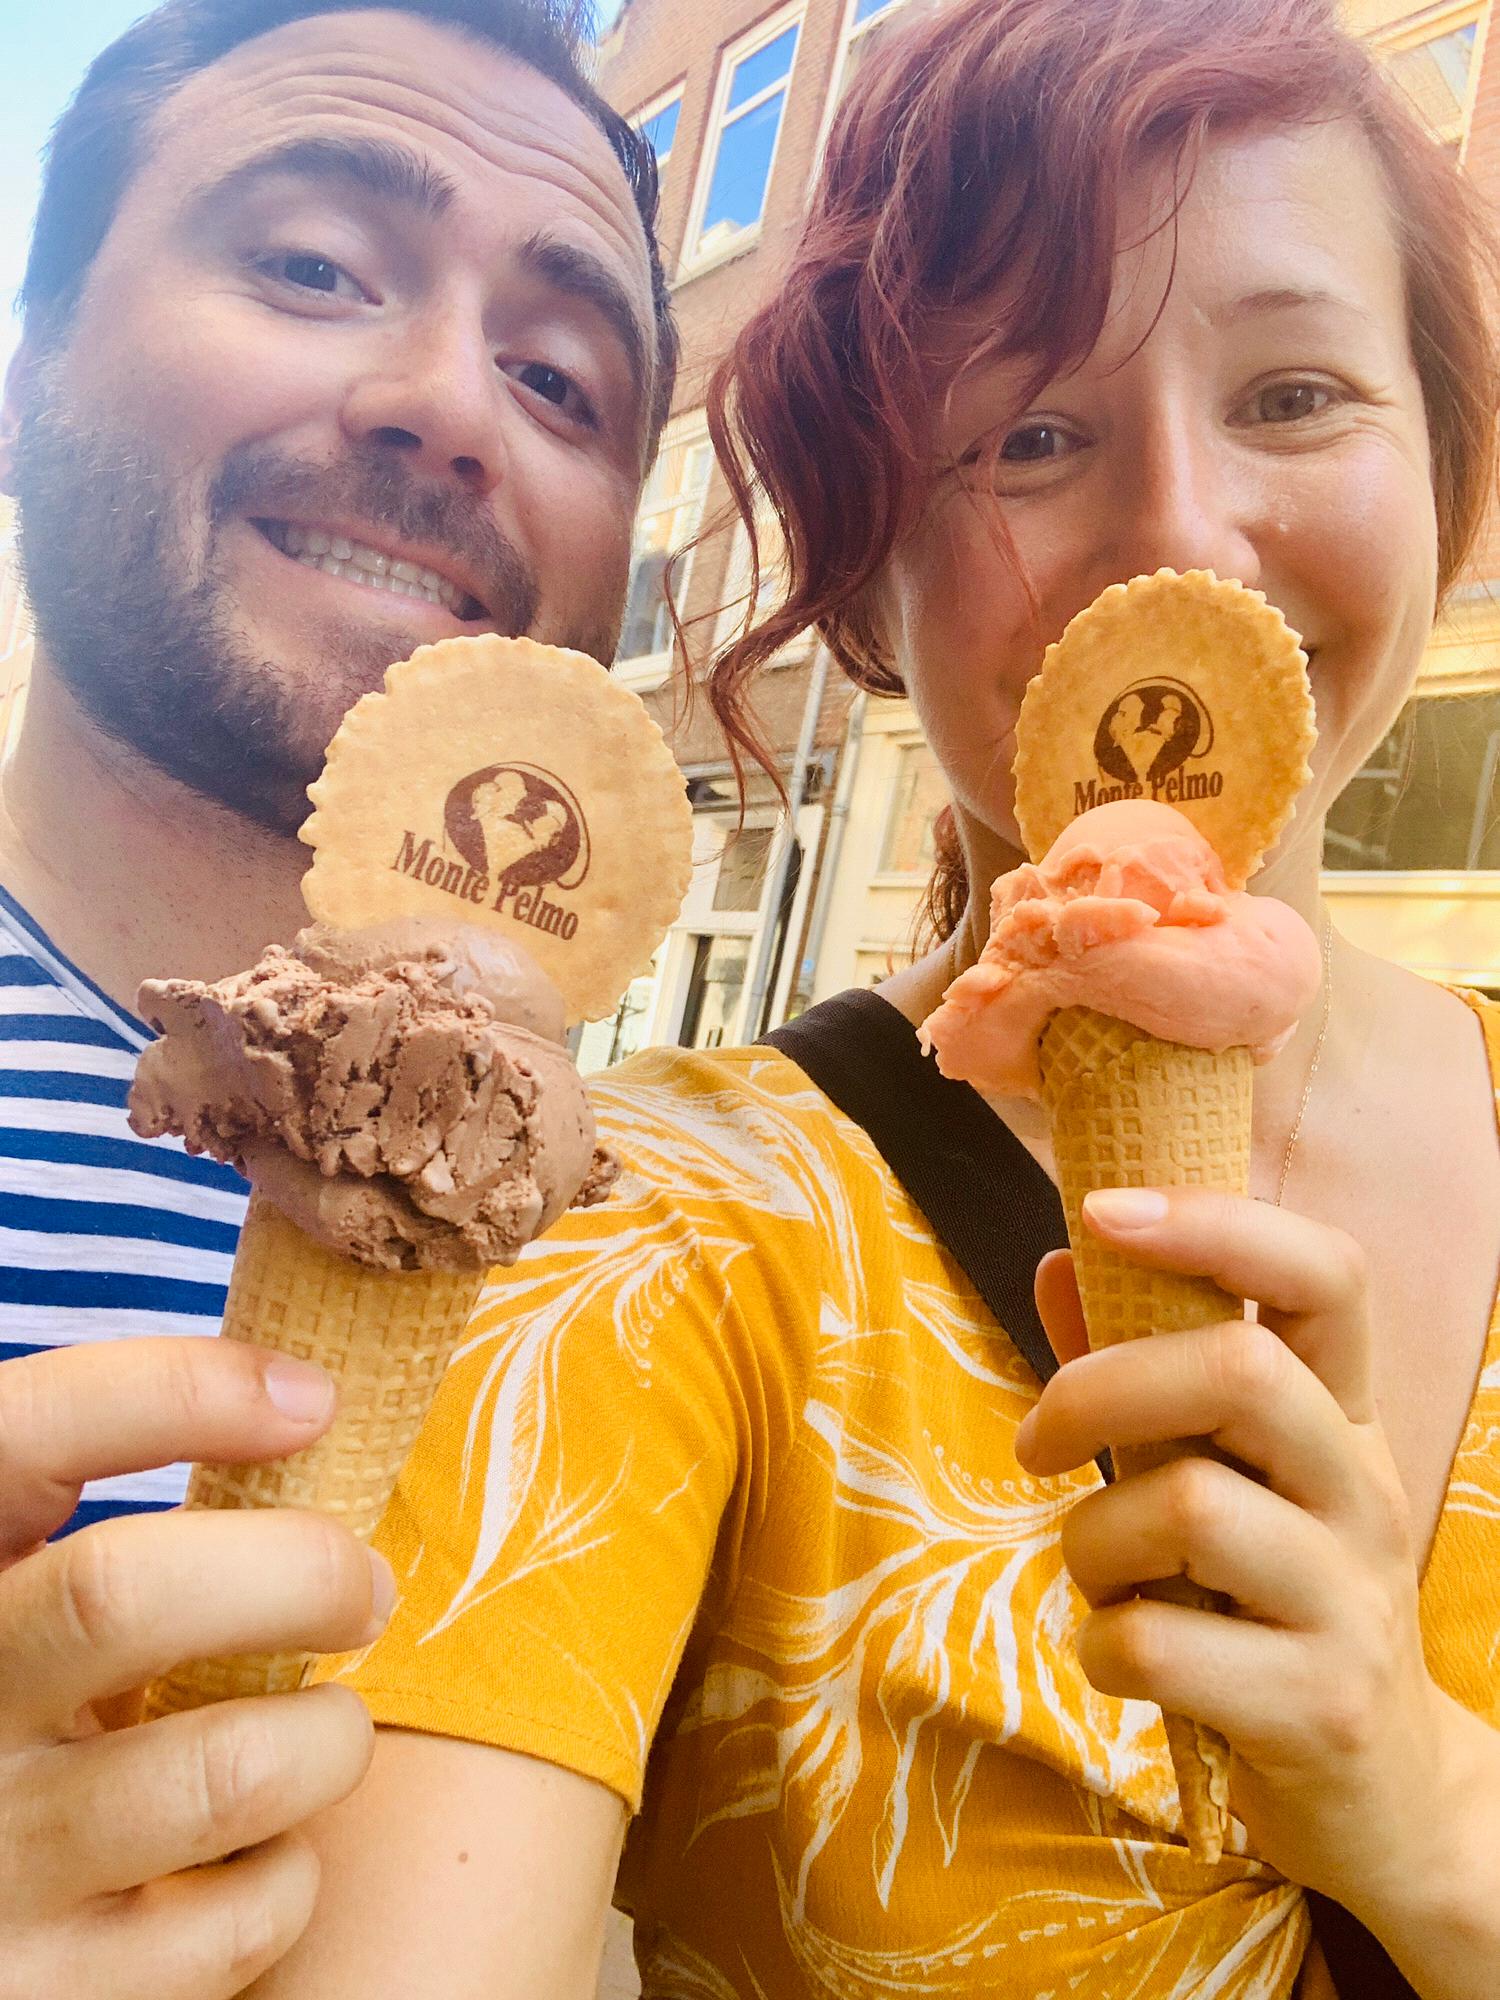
1431 27
657 104
719 826
646 671
849 33
697 917
900 741
693 261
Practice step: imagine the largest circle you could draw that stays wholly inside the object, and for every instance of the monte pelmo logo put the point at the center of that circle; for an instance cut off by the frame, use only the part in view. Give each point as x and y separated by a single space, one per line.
1153 742
514 837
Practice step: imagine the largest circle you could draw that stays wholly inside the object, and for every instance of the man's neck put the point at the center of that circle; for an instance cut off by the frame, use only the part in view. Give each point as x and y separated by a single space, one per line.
130 874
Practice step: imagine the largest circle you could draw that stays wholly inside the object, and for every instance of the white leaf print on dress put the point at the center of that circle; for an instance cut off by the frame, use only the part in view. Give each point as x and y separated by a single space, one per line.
674 1971
1016 1955
514 1427
891 1629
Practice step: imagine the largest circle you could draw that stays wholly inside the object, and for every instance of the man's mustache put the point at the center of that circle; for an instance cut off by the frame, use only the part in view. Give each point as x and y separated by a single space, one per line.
375 489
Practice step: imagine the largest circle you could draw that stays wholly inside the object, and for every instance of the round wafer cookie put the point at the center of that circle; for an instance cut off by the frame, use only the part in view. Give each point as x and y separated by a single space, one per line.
501 782
1185 689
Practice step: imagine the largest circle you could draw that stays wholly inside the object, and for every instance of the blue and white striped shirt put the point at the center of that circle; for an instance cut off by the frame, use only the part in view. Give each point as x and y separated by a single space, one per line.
103 1236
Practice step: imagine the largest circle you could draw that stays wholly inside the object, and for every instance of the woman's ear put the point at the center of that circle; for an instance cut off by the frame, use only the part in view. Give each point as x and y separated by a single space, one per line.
863 645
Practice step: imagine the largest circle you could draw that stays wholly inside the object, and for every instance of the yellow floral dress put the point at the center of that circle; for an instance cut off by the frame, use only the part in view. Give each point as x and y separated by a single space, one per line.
719 1506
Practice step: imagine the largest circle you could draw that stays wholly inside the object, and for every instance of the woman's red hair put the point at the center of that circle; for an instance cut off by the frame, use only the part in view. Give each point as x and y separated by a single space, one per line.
988 142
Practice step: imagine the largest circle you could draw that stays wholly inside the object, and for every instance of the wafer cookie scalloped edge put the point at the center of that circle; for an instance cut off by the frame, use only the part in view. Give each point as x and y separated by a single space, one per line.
1214 654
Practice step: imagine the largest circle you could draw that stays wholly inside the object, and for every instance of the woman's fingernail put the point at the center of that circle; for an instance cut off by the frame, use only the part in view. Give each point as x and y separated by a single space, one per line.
1125 1208
299 1389
1024 1432
382 1594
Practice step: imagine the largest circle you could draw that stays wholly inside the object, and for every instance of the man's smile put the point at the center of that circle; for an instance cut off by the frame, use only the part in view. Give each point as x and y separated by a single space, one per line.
392 569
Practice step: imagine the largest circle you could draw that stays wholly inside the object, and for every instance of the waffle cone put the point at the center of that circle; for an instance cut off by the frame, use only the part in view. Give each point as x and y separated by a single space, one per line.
386 1338
1127 1110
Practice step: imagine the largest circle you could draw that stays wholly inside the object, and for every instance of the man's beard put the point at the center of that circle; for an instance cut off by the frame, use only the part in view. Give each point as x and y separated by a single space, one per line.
127 588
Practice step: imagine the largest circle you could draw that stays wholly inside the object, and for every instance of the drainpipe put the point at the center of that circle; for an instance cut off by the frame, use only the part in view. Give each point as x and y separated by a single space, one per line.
838 820
781 855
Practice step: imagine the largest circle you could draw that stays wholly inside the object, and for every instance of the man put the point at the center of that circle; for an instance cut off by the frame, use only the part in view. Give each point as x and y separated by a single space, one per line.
344 332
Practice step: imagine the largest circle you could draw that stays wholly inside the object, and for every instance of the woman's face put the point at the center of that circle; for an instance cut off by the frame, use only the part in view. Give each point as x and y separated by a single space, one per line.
1269 426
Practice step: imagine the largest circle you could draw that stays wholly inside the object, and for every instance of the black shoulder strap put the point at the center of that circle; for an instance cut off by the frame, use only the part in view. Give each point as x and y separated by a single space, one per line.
988 1201
998 1214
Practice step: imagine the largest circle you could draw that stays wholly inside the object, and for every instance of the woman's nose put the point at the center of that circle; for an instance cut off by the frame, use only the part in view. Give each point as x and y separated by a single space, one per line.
434 395
1186 504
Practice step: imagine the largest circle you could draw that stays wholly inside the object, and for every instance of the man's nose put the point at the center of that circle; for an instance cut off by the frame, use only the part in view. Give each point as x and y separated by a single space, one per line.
1186 503
433 394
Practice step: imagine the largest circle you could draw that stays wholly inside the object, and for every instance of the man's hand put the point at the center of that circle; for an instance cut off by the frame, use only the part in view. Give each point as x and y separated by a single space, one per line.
159 1860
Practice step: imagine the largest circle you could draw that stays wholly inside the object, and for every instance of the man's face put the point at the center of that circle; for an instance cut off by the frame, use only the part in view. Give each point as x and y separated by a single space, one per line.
364 362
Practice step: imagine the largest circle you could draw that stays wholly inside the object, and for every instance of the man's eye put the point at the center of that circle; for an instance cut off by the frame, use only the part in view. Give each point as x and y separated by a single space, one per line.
554 387
311 273
1290 402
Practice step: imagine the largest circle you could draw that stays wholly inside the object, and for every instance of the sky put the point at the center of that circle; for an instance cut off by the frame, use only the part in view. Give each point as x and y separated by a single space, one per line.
45 46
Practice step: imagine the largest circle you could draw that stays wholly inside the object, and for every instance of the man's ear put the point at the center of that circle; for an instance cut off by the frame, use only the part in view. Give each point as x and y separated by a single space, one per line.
18 377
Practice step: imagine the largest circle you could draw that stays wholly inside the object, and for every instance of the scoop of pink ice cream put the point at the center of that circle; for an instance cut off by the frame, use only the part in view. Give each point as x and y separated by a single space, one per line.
1128 913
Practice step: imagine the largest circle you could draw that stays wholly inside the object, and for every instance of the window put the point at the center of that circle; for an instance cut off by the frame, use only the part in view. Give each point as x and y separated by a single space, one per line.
603 1043
741 146
720 966
917 797
657 124
742 868
671 508
1435 71
868 26
864 31
736 588
1430 796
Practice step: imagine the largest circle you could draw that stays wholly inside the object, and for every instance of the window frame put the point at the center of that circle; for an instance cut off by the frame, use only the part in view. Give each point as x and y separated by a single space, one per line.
653 108
644 671
1429 688
1432 26
735 589
1462 658
713 827
881 877
850 32
694 260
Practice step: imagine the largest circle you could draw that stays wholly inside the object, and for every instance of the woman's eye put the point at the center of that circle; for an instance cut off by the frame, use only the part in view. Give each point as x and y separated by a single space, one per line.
554 387
1290 402
1034 444
309 272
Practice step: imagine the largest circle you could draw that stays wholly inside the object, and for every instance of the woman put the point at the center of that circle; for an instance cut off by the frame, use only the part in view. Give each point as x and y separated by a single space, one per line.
740 1508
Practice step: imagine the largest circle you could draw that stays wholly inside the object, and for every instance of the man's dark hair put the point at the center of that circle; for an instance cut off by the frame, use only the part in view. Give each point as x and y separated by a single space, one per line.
98 144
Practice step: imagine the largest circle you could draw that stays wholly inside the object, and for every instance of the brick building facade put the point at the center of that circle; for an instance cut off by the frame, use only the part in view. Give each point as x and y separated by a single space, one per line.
735 97
738 98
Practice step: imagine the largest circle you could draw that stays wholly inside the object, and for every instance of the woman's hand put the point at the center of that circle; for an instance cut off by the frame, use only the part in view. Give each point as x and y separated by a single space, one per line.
1351 1769
159 1862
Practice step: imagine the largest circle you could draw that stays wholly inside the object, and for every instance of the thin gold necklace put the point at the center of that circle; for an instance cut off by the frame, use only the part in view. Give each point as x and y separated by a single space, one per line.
1312 1068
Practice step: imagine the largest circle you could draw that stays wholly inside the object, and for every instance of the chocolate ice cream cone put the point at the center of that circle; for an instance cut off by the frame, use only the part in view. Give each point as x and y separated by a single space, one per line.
396 1083
385 1337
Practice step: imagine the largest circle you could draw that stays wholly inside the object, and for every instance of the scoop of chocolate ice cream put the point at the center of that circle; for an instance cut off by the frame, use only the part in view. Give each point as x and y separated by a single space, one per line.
401 1094
470 962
